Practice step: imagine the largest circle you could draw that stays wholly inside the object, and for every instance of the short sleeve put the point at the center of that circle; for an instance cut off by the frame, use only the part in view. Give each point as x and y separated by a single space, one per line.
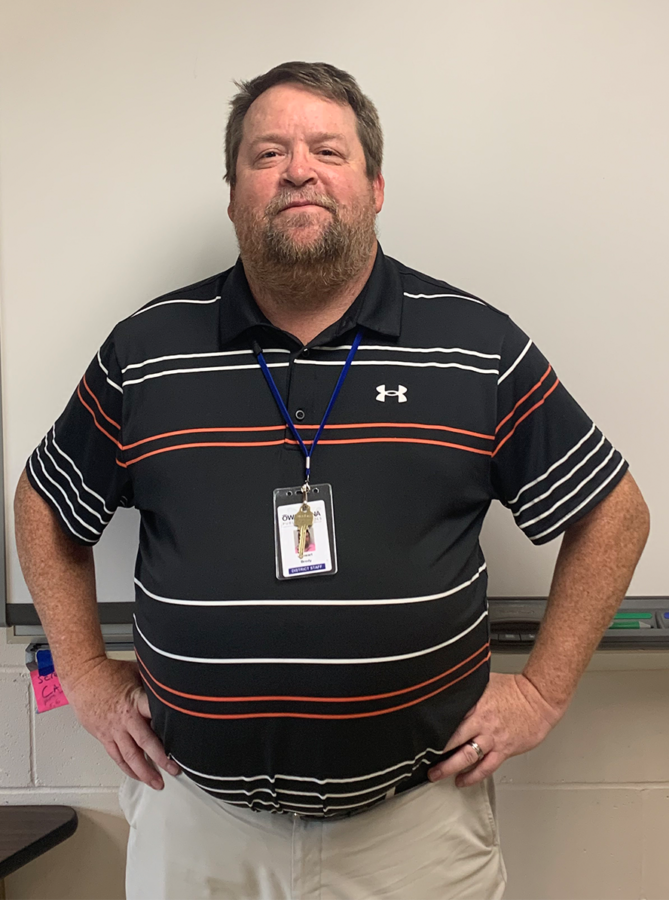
550 465
78 468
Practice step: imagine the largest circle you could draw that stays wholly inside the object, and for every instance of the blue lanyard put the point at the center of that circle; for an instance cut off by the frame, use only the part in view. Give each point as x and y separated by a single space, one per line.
308 453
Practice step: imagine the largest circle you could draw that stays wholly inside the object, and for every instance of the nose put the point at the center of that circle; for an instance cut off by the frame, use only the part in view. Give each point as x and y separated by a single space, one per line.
298 171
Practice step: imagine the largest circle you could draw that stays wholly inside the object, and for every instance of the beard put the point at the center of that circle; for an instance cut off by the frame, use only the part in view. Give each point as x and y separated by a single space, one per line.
299 271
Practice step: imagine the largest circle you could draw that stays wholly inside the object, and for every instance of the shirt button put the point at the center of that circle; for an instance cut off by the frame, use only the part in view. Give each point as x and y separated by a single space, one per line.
299 414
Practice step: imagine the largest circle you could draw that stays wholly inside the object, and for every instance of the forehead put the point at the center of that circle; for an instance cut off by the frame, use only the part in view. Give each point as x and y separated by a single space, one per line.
292 110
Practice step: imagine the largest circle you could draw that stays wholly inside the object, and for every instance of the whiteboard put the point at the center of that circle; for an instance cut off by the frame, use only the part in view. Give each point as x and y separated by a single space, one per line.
527 161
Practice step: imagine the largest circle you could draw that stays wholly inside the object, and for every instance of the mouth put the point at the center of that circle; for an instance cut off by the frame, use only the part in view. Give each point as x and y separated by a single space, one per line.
301 204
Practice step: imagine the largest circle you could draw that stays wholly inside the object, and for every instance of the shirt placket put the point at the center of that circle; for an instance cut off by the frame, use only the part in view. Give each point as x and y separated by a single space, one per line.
305 401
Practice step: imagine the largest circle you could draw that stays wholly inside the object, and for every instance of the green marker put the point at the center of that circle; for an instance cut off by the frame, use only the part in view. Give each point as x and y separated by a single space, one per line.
629 623
633 615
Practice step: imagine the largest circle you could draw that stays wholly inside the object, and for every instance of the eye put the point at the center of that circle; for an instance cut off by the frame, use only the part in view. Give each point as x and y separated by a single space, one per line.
268 154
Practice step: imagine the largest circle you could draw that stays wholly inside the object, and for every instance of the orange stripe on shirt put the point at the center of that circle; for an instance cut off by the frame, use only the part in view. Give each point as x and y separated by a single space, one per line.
232 430
286 715
256 428
529 412
477 434
131 462
392 440
210 699
97 403
97 424
380 440
523 399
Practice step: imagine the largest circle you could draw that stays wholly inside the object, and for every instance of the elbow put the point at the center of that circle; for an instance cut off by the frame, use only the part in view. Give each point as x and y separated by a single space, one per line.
634 515
642 518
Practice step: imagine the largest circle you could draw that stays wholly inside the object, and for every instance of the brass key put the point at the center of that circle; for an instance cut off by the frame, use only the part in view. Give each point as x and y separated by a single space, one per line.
304 519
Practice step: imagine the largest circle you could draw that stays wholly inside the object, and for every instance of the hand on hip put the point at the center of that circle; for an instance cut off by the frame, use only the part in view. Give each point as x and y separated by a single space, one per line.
510 718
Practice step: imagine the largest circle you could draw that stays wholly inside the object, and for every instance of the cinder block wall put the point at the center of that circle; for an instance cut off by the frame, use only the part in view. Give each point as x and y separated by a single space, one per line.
585 816
50 758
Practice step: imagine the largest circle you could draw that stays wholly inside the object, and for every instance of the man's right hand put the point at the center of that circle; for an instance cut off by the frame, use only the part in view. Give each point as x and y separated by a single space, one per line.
107 695
110 702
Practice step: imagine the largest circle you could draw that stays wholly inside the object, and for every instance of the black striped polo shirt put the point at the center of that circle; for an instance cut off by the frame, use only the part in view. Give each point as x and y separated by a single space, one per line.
317 696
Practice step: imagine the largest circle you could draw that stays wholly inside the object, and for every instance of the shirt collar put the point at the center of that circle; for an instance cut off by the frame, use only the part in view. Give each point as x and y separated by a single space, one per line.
378 306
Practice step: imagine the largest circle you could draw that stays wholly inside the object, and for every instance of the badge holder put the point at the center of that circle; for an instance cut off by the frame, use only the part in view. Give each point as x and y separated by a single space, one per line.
304 532
304 535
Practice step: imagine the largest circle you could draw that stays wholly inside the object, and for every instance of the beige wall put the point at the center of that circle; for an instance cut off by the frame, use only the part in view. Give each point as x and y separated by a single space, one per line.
527 148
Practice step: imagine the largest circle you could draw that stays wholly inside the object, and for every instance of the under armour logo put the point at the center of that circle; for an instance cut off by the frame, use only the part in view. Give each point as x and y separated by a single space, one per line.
400 393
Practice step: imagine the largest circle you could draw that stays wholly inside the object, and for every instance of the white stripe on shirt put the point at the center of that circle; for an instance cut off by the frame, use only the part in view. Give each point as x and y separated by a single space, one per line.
157 359
384 602
561 480
82 502
377 787
96 531
392 362
202 369
581 505
553 467
390 347
107 378
570 494
301 778
166 302
315 661
58 506
78 471
518 359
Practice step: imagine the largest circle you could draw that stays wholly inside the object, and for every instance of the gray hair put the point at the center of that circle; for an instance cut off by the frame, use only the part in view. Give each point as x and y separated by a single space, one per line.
320 78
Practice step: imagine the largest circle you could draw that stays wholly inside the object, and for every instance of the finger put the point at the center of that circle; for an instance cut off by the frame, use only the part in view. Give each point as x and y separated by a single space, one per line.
463 759
146 739
486 767
134 758
466 731
115 754
142 703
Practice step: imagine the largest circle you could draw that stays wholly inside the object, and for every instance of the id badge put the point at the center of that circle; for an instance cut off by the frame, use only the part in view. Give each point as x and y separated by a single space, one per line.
316 543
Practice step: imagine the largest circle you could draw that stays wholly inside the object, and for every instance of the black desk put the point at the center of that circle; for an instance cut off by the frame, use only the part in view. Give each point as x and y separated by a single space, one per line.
28 831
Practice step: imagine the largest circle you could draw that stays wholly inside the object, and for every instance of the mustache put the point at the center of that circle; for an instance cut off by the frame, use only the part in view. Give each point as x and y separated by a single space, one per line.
286 198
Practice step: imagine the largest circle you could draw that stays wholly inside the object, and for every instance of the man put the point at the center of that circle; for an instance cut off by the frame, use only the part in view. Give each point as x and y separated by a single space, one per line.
312 690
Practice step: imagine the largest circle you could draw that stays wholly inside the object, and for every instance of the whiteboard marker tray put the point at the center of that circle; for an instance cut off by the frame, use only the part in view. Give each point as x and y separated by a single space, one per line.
641 623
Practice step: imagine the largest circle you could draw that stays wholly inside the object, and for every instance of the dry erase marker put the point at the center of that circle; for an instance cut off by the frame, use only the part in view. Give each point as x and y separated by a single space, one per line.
629 623
633 615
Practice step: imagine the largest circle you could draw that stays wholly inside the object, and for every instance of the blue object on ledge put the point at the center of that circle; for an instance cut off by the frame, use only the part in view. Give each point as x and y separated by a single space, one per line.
44 662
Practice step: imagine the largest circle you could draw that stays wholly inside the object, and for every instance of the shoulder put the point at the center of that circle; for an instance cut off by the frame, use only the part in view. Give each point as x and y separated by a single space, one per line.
206 291
436 304
419 286
185 316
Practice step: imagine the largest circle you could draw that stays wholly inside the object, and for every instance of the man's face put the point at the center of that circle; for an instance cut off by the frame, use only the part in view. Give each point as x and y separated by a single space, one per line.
301 186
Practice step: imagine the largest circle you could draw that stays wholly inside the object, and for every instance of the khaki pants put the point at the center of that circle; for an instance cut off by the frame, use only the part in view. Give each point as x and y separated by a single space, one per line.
435 842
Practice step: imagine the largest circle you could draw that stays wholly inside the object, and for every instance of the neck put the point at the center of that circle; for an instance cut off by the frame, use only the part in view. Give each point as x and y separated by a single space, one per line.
301 306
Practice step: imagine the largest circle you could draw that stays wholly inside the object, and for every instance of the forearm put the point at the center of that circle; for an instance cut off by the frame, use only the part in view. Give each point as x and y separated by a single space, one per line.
594 568
60 575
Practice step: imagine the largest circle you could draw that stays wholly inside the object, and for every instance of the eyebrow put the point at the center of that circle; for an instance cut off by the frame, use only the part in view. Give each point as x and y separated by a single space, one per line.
274 138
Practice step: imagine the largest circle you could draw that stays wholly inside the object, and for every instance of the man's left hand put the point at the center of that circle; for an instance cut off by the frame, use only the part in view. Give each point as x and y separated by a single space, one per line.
510 718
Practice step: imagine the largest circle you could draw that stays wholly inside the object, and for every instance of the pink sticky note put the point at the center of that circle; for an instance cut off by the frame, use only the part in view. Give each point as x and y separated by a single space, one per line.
48 691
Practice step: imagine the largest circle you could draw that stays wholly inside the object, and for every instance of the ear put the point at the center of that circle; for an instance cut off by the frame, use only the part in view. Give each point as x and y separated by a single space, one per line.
378 188
231 205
